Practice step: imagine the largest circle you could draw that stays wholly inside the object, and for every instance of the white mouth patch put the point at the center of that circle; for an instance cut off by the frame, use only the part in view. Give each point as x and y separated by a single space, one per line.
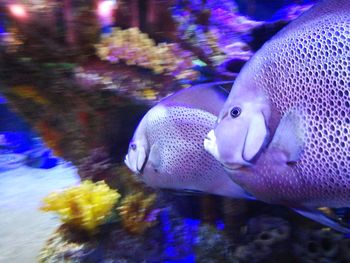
232 167
210 144
127 163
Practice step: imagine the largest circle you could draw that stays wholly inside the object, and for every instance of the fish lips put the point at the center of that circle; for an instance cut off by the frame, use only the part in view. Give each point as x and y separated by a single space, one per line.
211 147
233 168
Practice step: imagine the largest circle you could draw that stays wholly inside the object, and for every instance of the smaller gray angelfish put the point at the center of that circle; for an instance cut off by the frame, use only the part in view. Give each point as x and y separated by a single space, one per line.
283 132
167 150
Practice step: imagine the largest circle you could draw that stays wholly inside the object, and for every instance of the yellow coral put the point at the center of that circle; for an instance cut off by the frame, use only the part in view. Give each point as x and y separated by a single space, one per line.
136 48
85 206
149 94
136 212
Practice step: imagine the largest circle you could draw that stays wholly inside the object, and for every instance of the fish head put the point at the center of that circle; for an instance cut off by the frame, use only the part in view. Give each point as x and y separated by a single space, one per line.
136 157
240 133
138 151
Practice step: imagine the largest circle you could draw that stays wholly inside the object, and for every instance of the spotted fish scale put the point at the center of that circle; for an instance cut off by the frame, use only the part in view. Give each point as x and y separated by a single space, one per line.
181 147
307 67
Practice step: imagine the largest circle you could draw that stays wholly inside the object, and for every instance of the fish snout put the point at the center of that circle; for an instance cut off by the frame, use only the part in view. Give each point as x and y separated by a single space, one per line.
127 162
211 146
133 168
234 167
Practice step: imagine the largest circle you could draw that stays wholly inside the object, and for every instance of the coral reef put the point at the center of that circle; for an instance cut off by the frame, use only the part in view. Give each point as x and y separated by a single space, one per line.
262 239
59 248
98 119
174 239
123 80
96 165
212 245
264 236
136 212
85 206
321 246
213 27
136 48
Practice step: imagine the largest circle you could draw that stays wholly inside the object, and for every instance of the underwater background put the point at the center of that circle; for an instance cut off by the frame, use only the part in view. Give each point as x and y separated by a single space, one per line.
76 78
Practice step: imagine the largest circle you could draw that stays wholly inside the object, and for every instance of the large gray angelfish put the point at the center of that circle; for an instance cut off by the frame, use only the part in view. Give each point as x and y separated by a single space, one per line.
167 150
284 130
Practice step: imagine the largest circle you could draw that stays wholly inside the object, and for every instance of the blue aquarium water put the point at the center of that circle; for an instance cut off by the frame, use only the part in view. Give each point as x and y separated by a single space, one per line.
174 131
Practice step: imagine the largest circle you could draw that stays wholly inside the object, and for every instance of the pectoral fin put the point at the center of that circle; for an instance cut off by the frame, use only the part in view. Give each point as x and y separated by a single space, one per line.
290 136
322 218
154 156
256 136
141 159
184 192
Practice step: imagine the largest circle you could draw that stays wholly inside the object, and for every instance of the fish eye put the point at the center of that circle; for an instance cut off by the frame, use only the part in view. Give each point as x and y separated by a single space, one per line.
235 112
133 146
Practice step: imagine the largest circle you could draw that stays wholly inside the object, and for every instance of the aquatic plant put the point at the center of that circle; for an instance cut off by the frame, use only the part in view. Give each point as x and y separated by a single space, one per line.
136 48
137 212
85 206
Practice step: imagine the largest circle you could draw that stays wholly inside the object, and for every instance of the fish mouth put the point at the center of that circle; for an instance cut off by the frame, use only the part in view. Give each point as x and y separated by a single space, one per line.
236 167
231 167
127 163
211 147
138 172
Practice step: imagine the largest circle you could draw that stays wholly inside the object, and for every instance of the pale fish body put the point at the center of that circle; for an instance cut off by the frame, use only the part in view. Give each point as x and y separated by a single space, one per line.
167 148
284 131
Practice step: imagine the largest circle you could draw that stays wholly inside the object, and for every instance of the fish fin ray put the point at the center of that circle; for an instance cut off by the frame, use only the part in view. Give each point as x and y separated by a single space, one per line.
154 156
323 219
289 136
256 137
209 97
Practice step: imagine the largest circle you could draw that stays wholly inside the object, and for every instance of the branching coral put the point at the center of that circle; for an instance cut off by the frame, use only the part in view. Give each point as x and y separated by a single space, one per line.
136 212
136 48
85 206
212 27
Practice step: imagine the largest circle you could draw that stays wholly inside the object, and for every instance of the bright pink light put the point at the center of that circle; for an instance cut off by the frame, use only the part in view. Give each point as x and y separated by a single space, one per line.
18 10
105 8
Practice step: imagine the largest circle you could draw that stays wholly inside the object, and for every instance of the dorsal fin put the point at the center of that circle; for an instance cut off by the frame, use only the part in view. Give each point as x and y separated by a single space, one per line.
323 219
209 97
319 11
